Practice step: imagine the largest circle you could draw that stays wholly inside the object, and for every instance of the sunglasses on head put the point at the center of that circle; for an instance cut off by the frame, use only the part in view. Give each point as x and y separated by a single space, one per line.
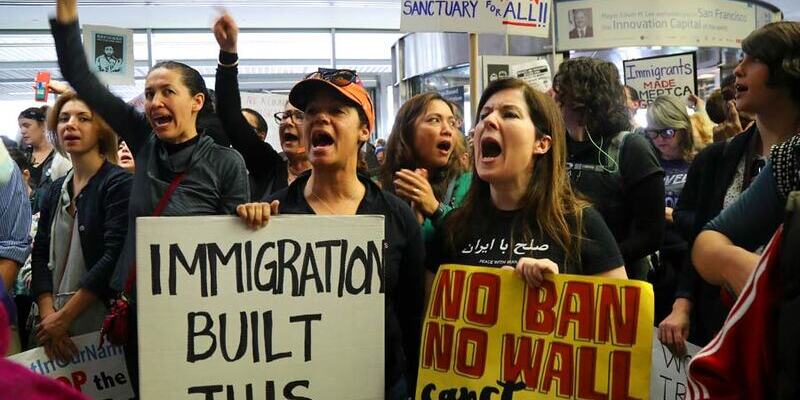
667 133
339 77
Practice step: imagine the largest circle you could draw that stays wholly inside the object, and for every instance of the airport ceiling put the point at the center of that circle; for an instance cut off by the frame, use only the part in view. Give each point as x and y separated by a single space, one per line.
197 14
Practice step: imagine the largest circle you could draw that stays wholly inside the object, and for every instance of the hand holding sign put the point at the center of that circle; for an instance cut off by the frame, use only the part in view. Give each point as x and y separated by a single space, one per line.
226 32
52 332
256 215
533 270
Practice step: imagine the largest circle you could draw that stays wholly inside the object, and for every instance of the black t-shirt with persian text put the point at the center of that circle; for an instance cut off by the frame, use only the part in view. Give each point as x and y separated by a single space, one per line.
492 245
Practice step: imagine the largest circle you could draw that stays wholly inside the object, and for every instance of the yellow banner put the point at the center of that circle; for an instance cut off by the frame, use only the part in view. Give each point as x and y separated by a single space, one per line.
487 335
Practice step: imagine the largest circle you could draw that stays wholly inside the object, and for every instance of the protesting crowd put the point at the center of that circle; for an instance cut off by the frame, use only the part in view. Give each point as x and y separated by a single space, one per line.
565 182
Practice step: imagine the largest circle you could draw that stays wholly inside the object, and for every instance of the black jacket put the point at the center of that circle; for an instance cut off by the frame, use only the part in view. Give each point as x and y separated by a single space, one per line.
707 181
102 218
268 170
404 256
216 178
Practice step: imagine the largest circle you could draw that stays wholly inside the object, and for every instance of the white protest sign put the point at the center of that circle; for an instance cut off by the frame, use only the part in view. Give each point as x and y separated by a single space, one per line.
97 371
109 51
294 310
267 104
603 24
514 17
668 372
674 74
535 73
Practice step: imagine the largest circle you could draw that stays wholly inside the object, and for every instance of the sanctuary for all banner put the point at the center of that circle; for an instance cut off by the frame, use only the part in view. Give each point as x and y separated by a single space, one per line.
487 334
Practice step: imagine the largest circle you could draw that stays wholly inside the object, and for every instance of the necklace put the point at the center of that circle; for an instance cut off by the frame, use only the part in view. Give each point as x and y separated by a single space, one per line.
323 202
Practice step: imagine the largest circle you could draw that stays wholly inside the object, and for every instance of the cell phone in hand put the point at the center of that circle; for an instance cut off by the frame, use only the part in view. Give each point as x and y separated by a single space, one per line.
42 79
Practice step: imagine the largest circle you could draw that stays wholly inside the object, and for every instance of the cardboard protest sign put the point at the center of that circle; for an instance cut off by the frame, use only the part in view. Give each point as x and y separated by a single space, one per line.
487 333
97 371
109 51
267 104
668 372
674 74
513 17
294 310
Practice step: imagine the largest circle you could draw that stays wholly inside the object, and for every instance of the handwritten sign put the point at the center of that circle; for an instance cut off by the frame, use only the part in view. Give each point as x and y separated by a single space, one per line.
267 104
514 17
674 74
487 333
97 371
668 373
294 310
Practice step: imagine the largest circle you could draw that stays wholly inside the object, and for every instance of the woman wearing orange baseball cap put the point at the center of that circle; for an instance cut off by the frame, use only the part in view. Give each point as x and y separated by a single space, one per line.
339 118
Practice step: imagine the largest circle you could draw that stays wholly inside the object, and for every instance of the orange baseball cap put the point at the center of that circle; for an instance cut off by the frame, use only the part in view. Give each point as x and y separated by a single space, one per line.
304 91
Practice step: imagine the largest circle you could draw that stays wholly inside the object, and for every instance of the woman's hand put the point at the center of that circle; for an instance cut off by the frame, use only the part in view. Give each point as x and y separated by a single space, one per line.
66 11
673 331
226 32
698 103
256 215
668 214
57 87
53 334
533 270
414 187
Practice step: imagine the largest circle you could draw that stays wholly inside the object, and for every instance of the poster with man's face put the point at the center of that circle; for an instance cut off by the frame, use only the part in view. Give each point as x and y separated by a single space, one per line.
109 51
581 23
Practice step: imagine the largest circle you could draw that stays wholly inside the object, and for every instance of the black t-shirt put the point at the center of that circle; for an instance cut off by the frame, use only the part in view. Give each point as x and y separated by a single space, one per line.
491 245
675 172
403 260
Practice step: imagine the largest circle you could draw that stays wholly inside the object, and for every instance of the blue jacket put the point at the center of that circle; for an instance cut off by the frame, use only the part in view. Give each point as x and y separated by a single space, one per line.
102 211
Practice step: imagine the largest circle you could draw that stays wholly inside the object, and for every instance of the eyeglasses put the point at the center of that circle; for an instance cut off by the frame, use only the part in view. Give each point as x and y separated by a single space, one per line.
339 77
296 116
667 133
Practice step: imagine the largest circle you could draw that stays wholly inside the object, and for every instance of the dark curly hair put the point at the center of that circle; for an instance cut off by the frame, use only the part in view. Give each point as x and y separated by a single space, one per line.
400 152
777 45
592 89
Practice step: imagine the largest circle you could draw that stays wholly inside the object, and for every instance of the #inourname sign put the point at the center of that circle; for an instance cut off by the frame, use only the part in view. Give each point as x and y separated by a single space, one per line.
514 17
674 74
294 310
489 335
97 371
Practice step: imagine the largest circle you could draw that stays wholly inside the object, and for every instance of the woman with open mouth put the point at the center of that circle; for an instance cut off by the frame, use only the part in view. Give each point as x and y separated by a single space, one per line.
125 157
520 211
82 226
768 86
618 171
339 118
206 178
422 162
268 170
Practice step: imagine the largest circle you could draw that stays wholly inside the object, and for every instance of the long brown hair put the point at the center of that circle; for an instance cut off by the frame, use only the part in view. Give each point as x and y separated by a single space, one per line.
107 142
400 151
548 200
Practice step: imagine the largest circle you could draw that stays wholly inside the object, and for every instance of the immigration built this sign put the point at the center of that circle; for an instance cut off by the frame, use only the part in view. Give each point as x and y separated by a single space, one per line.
594 24
514 17
291 311
487 335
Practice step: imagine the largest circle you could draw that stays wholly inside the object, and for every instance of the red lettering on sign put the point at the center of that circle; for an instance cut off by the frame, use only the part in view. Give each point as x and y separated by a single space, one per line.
540 302
447 295
438 347
476 340
587 362
577 307
522 356
620 375
559 366
623 326
483 312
